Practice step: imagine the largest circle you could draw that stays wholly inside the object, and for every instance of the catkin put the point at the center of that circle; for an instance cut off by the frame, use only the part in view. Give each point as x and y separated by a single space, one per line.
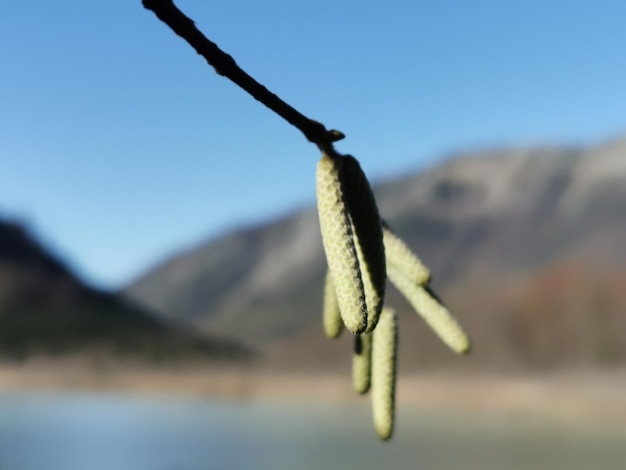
436 315
373 301
339 246
367 227
362 363
384 354
401 256
333 324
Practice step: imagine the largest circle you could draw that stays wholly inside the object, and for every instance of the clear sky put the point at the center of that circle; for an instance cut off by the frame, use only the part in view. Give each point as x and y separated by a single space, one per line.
119 145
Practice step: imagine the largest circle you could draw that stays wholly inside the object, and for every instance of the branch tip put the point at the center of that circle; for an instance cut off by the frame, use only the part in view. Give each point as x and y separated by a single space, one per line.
335 135
226 66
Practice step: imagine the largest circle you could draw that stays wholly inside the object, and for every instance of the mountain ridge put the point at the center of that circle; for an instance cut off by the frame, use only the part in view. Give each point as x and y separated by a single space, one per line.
505 216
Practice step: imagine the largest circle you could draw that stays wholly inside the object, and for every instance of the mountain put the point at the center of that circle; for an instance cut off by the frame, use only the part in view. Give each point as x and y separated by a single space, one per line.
525 245
46 311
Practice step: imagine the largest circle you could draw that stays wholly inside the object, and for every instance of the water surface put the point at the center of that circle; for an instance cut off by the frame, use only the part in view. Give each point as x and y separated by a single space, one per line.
119 432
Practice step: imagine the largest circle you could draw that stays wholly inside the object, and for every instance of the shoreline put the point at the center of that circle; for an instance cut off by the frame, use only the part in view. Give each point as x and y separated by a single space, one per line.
562 396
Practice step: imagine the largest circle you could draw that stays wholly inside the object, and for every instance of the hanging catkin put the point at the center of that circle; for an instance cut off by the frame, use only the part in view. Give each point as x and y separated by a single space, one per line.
362 363
338 243
384 354
367 227
333 324
436 315
401 256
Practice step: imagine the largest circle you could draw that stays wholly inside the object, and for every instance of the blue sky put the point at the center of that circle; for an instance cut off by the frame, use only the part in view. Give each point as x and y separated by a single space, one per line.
119 145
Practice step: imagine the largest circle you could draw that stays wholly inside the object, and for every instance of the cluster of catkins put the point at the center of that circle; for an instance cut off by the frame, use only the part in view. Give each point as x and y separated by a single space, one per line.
362 252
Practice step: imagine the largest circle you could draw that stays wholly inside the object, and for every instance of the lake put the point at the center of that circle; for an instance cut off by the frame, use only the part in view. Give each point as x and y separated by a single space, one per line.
123 432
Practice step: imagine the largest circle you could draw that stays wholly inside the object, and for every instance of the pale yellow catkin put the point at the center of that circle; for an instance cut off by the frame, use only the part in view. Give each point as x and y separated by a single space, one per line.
384 365
367 227
339 244
373 299
362 363
401 256
436 315
333 324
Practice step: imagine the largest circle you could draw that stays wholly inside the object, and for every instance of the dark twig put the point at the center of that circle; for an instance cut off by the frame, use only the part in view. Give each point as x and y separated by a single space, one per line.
225 65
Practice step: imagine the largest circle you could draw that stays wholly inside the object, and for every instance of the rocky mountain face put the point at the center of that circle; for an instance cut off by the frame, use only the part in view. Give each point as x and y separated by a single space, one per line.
46 311
527 246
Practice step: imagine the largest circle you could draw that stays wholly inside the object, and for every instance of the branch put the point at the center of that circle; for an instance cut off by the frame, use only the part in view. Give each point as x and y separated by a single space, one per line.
225 65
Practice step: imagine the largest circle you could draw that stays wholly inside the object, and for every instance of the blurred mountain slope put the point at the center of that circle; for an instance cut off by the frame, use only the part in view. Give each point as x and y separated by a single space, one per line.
495 227
46 311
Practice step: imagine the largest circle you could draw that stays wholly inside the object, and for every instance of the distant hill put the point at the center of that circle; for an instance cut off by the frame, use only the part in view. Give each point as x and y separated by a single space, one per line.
46 311
527 246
